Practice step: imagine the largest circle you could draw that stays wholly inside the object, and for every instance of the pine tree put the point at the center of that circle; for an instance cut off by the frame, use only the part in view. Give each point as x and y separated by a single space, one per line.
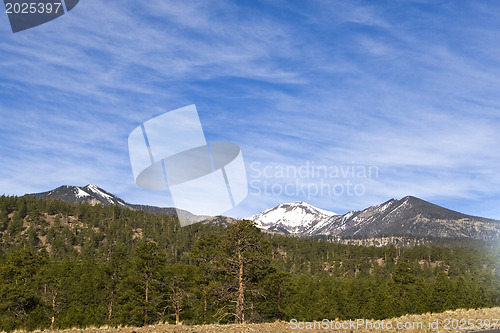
246 252
206 254
147 262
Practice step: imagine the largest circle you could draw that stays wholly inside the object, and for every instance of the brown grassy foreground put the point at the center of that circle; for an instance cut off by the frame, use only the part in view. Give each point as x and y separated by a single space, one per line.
438 320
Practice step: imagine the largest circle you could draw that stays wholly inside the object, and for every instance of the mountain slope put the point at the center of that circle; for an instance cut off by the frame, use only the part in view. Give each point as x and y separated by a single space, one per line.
417 217
409 216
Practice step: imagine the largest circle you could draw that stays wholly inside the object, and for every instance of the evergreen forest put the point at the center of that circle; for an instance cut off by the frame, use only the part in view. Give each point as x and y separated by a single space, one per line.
68 265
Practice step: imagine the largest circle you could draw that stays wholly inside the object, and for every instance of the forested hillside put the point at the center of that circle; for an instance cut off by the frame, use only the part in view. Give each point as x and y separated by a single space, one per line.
65 265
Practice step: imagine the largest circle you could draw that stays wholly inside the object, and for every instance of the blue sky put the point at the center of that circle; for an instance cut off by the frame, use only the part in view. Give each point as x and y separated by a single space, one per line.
410 88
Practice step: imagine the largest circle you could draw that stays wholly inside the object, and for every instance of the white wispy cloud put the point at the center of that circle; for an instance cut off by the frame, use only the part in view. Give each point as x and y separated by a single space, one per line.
331 82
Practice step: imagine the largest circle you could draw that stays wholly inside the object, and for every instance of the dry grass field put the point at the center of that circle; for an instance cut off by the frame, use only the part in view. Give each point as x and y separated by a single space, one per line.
450 321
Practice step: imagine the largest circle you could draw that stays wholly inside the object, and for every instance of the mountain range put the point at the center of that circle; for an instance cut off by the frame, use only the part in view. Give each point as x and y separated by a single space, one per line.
409 216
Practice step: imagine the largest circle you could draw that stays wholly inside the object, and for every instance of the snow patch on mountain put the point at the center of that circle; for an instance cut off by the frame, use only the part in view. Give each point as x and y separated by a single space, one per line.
383 207
80 193
100 193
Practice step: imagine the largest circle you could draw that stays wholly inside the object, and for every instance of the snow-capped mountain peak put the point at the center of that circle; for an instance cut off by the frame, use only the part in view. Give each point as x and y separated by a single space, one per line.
89 193
297 217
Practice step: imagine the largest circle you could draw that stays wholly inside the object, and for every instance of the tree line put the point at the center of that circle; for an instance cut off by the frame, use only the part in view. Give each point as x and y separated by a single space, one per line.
76 265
